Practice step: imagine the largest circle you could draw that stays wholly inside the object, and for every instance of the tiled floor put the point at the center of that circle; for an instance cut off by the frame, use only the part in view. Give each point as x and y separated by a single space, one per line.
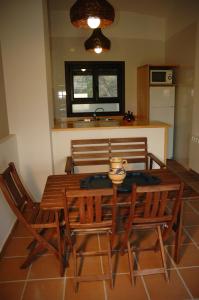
41 281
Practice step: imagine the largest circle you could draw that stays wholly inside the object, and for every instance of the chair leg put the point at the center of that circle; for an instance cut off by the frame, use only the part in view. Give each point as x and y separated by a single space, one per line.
33 243
32 256
162 253
42 244
130 258
178 236
59 243
110 261
124 243
75 270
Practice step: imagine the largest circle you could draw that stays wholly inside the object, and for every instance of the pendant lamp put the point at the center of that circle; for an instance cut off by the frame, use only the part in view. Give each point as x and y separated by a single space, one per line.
97 42
92 13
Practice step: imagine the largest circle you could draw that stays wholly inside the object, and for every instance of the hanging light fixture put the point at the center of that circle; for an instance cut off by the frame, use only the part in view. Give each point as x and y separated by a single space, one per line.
92 13
97 42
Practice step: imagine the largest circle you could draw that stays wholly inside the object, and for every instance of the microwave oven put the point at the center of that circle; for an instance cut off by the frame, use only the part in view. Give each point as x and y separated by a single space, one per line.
161 77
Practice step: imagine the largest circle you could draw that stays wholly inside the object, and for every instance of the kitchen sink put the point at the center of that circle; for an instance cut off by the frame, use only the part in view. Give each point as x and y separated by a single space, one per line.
95 119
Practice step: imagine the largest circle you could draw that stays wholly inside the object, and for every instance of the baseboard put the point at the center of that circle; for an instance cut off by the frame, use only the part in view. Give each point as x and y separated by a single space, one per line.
194 172
3 249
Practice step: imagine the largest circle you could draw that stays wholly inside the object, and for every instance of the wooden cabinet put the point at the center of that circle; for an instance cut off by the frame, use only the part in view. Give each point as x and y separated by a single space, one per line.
143 87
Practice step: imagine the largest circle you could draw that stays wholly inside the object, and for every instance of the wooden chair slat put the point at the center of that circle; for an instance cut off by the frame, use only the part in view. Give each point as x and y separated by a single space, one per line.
82 211
90 149
155 204
128 140
127 146
129 153
147 206
90 210
90 155
163 203
98 209
17 196
90 141
90 162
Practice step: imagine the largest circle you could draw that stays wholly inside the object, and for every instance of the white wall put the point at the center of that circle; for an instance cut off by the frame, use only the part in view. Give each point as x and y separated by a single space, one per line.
183 54
8 153
182 48
194 147
4 130
22 34
136 39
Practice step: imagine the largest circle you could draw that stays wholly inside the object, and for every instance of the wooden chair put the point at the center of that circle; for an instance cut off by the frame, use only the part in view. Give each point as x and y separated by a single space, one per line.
43 225
87 152
134 150
149 210
95 213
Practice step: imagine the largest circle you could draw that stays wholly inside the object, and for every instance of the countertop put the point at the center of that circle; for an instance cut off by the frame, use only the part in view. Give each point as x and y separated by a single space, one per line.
103 123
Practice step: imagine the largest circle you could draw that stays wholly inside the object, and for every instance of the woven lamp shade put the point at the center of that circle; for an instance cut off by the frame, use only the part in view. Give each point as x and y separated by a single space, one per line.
83 9
97 39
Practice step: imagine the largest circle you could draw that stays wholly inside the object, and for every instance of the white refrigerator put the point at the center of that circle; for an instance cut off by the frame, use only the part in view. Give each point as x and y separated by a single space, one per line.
162 108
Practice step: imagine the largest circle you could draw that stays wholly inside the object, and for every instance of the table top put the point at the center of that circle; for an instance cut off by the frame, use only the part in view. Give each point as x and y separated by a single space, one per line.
54 192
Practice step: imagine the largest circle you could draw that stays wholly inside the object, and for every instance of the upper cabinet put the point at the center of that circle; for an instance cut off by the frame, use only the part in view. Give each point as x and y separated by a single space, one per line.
152 76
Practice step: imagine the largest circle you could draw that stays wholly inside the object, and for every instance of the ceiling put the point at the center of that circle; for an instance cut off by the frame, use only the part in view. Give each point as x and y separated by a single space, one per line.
158 8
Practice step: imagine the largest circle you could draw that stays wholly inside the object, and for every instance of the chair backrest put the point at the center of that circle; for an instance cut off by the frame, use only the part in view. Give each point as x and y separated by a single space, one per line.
90 152
134 149
155 204
93 209
14 191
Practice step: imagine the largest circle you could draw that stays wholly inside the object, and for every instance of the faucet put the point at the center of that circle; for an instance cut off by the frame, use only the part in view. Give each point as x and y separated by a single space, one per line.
95 112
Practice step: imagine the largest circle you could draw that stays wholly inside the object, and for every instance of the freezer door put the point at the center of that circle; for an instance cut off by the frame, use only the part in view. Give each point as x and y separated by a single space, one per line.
161 96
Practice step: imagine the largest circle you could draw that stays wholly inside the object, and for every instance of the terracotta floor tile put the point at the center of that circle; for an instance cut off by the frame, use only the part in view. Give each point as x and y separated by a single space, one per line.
86 291
190 219
10 269
124 290
194 233
11 291
87 242
119 262
90 265
46 266
187 208
189 255
195 204
44 290
160 289
21 231
190 277
18 247
151 259
171 239
104 242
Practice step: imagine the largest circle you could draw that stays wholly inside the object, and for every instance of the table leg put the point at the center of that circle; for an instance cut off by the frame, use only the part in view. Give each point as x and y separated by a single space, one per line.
178 235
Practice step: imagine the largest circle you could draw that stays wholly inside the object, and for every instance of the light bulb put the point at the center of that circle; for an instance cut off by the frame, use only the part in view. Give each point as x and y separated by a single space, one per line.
93 22
98 49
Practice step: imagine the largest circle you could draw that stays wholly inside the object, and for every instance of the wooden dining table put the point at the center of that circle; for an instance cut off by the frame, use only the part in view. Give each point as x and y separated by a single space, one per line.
54 194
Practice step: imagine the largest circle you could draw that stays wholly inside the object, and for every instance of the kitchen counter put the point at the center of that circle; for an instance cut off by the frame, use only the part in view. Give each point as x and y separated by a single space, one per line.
106 123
